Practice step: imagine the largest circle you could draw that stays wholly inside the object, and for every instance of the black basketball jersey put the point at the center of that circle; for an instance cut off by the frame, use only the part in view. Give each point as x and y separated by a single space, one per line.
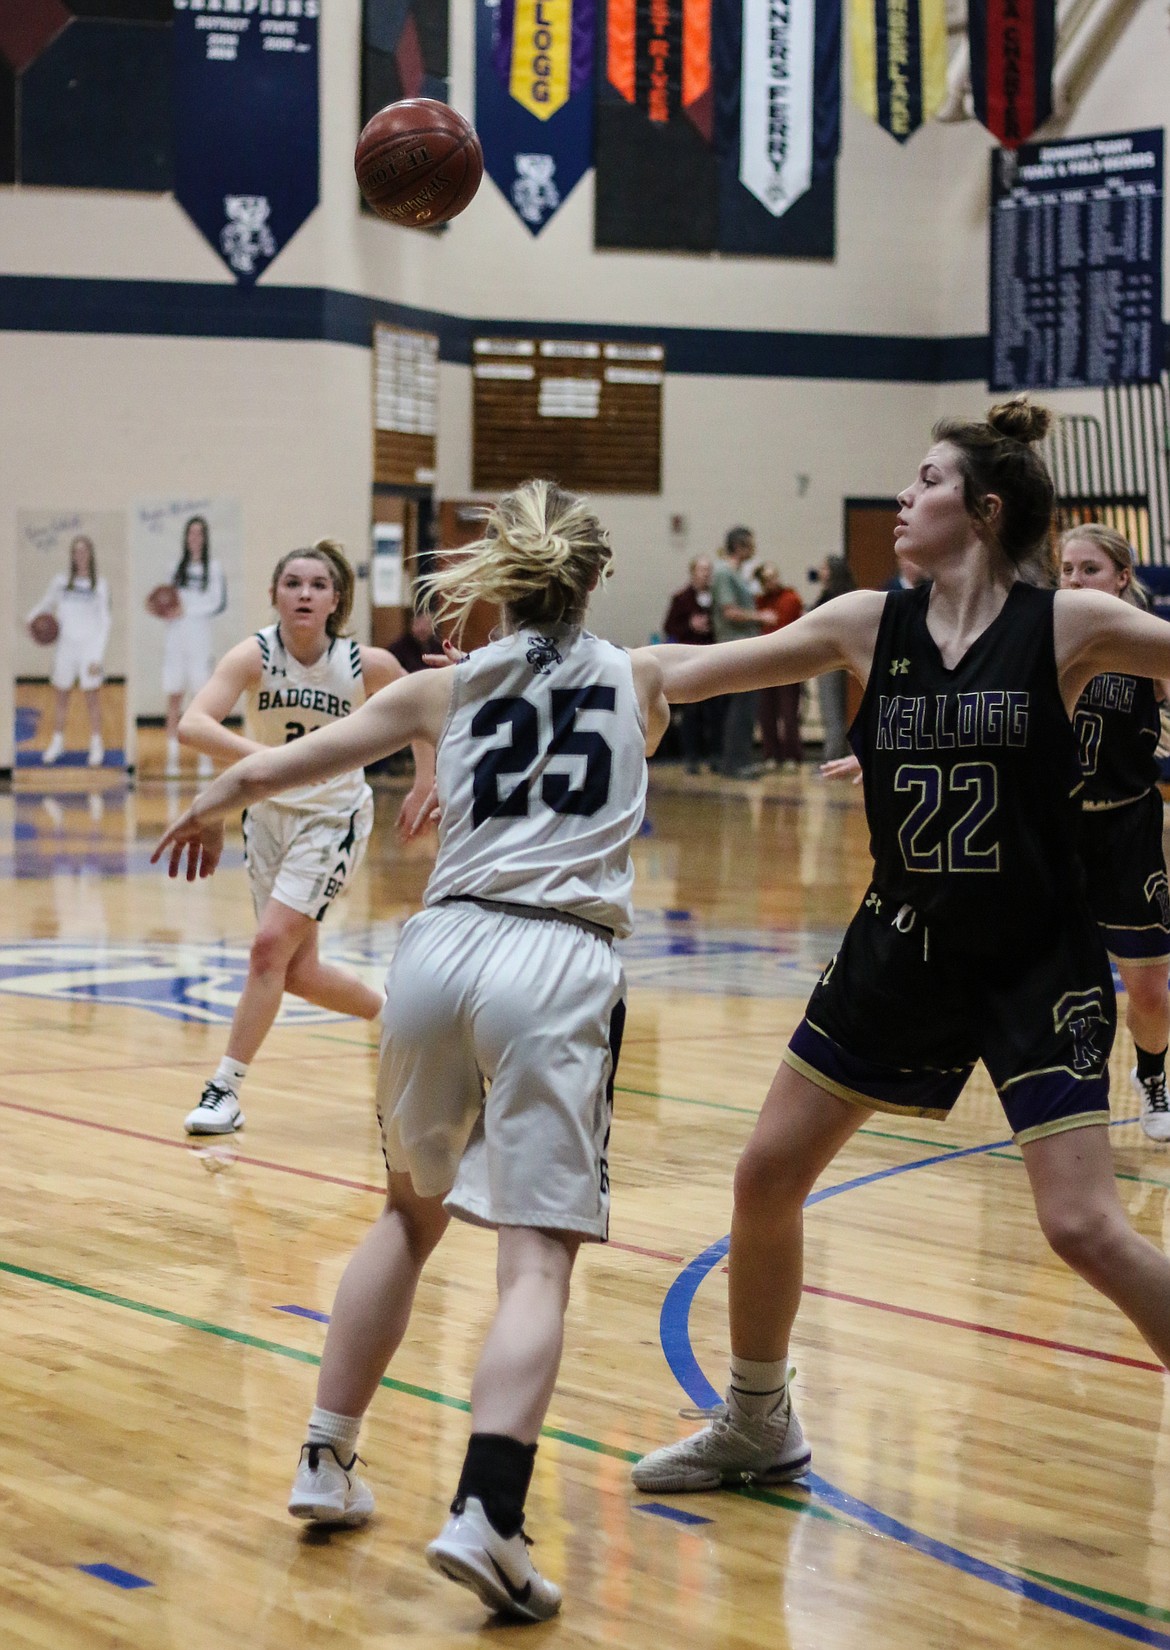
970 774
1117 726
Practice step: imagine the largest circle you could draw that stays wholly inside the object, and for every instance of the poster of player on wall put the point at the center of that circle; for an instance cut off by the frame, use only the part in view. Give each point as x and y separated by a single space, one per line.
186 563
71 644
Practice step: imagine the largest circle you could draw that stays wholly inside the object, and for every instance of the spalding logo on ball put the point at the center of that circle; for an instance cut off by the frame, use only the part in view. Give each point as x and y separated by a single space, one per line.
418 162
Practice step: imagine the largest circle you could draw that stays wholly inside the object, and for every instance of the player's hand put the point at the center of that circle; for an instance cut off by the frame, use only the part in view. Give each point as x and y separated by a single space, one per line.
450 655
845 767
194 838
419 809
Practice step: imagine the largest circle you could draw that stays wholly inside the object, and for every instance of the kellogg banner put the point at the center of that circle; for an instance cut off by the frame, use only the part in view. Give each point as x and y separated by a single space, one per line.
246 124
534 100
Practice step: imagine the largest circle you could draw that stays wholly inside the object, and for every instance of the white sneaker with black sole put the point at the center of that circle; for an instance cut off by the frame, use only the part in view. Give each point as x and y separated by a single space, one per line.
218 1111
734 1449
327 1491
1151 1091
497 1569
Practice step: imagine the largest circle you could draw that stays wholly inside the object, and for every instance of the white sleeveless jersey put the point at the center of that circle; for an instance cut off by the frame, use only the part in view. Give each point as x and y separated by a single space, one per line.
541 773
292 699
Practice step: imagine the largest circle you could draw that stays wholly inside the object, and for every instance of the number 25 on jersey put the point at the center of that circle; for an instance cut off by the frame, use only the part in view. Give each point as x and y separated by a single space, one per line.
520 718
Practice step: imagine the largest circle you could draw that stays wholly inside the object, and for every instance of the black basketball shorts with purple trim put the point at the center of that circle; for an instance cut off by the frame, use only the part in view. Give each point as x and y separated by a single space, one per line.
902 1014
1125 878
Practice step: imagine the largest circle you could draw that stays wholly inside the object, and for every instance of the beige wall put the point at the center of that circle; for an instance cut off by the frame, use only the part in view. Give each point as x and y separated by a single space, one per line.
94 421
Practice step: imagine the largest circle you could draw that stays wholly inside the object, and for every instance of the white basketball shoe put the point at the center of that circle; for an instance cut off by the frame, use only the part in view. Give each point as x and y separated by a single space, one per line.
497 1570
734 1449
1151 1092
218 1111
328 1491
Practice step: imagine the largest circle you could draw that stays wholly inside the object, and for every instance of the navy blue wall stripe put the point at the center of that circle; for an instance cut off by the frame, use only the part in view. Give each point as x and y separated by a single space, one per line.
188 309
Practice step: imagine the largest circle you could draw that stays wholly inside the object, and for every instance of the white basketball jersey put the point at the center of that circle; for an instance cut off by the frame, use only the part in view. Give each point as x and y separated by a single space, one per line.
541 772
292 699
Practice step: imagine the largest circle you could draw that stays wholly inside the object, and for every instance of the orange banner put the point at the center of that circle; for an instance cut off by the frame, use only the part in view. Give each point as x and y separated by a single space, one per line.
621 47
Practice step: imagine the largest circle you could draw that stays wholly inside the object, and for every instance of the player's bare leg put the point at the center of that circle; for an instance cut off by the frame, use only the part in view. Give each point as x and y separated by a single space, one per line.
370 1313
1148 1018
1082 1217
756 1435
329 987
482 1545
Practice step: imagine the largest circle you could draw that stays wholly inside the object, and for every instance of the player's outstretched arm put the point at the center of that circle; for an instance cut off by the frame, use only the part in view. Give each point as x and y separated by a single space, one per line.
838 636
379 669
648 685
1094 633
413 708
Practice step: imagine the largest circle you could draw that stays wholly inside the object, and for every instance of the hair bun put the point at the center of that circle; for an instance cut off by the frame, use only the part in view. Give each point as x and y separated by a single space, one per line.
1020 419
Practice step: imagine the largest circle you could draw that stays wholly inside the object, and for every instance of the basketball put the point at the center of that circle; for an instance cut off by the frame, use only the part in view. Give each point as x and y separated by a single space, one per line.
418 162
163 602
44 629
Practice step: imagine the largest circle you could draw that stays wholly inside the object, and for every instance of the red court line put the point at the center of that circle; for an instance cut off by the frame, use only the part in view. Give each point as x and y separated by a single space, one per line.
985 1329
172 1065
256 1162
626 1248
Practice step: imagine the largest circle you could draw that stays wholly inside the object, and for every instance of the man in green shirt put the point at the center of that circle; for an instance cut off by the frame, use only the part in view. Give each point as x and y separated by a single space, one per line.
733 616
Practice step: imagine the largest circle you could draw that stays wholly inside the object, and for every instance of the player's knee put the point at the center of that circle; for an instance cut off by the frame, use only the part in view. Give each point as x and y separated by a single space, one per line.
766 1183
269 953
1087 1239
1146 989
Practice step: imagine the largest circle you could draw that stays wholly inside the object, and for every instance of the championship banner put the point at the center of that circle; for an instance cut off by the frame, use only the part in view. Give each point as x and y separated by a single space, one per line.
899 55
789 97
658 56
534 100
1013 48
246 125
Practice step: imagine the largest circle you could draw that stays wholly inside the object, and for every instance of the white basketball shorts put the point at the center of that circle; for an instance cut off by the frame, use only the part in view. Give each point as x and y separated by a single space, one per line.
188 655
75 666
301 858
533 1006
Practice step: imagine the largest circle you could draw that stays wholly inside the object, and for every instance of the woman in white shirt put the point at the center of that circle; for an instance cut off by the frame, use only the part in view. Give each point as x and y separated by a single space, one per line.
189 646
80 602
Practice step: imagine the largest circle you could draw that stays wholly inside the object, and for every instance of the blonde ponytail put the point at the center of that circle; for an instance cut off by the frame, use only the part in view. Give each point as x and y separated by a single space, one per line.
542 552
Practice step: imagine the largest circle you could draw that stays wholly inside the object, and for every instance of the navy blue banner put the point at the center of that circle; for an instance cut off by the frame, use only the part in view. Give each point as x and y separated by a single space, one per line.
807 229
534 162
246 125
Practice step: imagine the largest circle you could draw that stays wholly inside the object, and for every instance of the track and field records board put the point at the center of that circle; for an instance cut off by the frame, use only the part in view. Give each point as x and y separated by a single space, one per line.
1076 263
580 411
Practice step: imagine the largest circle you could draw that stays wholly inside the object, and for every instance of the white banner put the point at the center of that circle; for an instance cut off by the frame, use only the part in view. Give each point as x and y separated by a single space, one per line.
776 101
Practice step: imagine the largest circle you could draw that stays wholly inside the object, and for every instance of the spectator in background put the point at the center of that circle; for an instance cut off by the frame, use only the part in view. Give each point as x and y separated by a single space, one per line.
733 617
420 637
835 579
688 619
779 707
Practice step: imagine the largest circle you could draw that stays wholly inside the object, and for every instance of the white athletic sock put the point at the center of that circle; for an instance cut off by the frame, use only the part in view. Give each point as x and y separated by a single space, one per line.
231 1073
340 1431
757 1386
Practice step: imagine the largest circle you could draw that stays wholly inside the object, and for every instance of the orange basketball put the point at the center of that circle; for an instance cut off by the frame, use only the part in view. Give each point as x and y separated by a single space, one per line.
44 629
163 602
418 162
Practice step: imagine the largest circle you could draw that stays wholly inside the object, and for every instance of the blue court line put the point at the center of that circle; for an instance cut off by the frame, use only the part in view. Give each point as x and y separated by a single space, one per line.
675 1514
304 1312
674 1334
117 1578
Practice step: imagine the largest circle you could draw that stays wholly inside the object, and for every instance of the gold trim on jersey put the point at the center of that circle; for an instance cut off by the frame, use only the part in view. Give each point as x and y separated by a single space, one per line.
854 1097
1061 1125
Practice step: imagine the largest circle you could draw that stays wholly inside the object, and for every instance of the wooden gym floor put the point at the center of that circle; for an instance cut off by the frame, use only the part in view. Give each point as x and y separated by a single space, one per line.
991 1440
